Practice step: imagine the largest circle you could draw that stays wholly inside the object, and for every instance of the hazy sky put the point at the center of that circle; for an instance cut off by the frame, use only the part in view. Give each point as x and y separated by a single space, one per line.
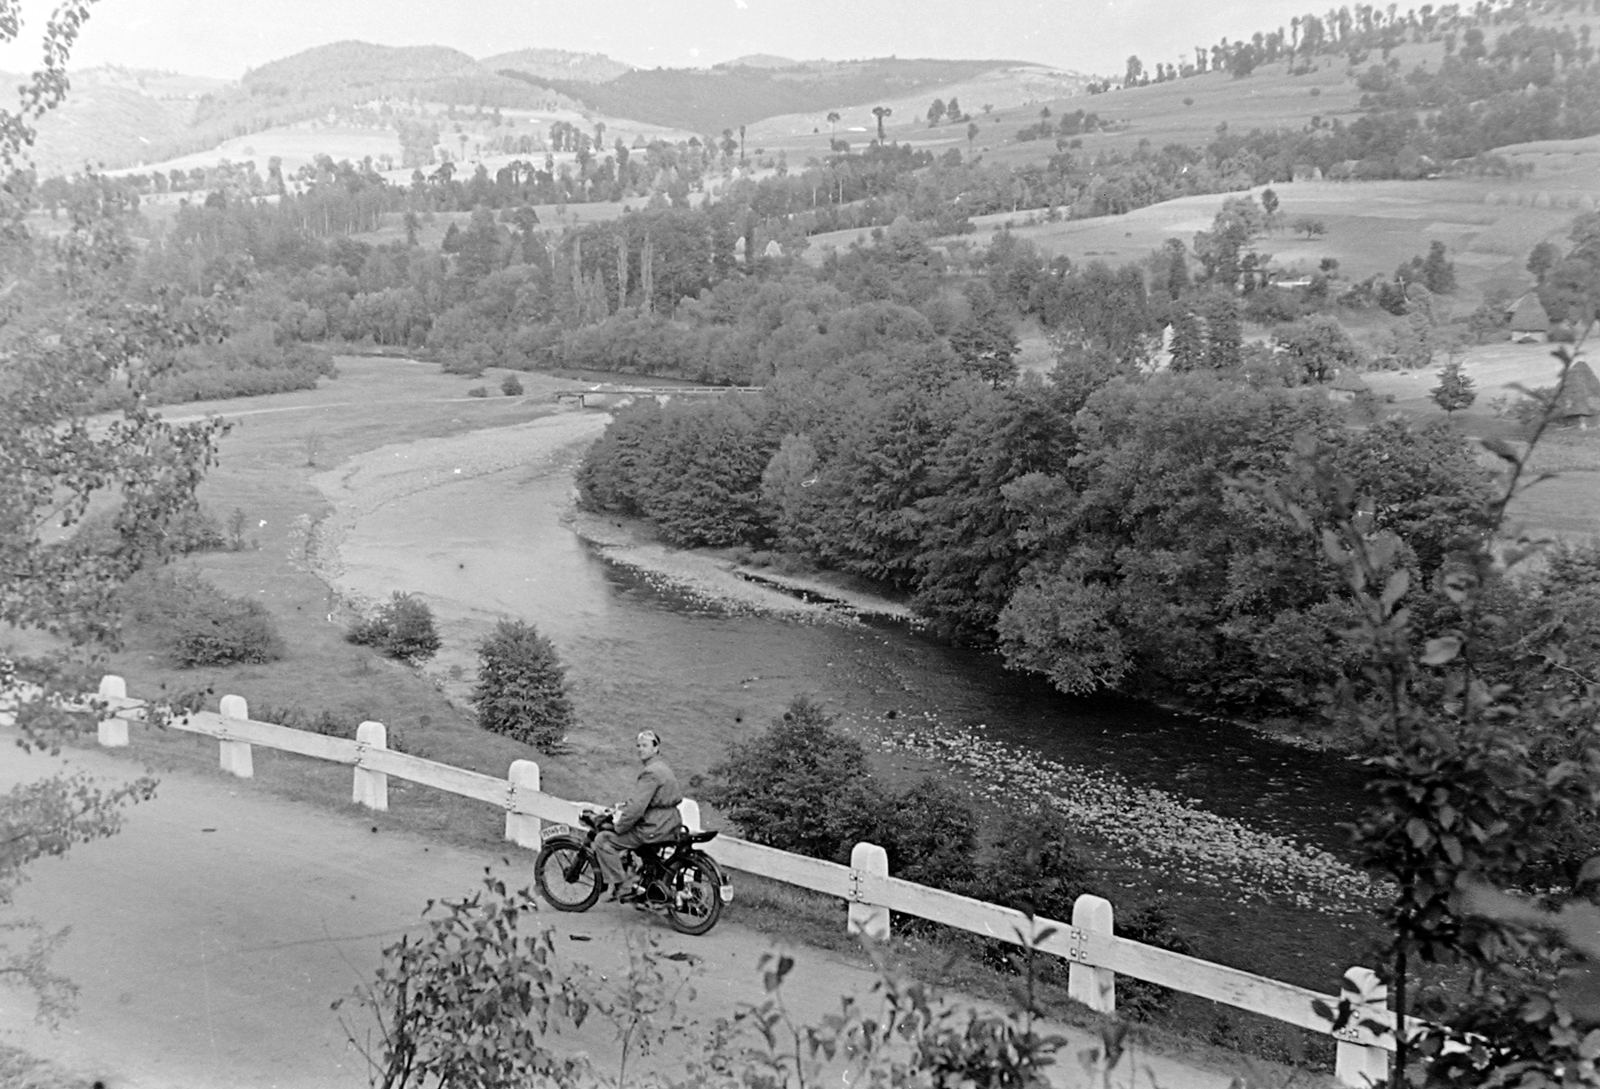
224 37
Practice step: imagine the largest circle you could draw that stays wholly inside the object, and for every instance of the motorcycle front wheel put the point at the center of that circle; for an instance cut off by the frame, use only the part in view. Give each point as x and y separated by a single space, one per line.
568 876
694 895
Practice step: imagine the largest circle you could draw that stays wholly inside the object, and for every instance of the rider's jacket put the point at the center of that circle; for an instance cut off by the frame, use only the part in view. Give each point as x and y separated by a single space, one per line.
653 807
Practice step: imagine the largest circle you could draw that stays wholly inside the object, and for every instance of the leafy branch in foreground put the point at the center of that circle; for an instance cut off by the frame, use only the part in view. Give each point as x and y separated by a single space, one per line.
1466 800
475 998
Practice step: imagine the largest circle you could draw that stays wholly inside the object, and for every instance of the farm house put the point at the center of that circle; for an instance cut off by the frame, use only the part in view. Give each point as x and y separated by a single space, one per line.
1579 402
1529 322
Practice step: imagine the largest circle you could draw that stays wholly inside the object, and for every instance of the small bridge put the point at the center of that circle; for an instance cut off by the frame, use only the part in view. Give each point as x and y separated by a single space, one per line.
617 396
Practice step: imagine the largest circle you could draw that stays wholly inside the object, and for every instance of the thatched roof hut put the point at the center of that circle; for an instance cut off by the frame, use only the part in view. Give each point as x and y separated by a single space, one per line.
1348 381
1579 402
1528 318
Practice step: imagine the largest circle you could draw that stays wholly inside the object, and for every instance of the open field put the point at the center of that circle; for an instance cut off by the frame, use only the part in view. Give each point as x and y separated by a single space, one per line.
1566 506
1488 225
300 144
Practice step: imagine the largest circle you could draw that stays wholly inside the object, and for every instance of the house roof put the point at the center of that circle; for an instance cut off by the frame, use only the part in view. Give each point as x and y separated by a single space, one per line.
1580 393
1348 381
1528 315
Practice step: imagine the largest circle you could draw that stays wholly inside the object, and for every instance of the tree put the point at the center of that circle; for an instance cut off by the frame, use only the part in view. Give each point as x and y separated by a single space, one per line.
1269 204
1454 391
1223 249
1310 227
984 340
972 132
1542 258
880 112
1224 330
521 690
1134 74
833 119
1188 341
74 330
952 109
1319 346
1438 273
936 112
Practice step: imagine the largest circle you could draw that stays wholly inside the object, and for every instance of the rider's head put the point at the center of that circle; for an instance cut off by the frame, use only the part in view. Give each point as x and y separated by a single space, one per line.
648 744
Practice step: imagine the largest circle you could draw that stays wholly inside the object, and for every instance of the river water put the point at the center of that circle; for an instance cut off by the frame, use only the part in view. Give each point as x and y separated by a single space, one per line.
1226 806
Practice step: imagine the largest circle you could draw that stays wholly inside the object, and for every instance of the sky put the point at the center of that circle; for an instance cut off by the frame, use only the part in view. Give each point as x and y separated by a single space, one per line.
224 38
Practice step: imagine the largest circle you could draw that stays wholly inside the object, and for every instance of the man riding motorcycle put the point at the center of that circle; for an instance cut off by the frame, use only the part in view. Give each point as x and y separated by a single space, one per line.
650 815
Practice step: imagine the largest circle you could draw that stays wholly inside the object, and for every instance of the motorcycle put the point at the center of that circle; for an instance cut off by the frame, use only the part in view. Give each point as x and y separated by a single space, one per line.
684 884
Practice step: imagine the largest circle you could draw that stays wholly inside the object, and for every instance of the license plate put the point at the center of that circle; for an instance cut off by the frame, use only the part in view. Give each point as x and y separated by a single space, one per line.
553 830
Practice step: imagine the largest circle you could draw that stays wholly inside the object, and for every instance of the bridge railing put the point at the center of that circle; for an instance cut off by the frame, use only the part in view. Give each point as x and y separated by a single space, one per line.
1089 943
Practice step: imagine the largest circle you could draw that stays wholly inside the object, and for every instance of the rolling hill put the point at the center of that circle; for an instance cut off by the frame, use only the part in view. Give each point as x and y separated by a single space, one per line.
729 96
558 64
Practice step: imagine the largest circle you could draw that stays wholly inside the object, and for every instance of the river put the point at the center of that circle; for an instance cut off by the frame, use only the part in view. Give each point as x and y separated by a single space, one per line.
1224 804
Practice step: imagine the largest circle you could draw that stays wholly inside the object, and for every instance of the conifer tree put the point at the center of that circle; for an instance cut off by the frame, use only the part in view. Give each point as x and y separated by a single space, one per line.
1188 342
1454 391
522 686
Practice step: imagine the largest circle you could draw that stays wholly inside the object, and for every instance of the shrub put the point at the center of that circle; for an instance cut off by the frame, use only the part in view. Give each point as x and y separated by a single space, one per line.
201 625
929 834
1032 866
510 386
522 687
402 628
478 391
789 788
804 786
191 530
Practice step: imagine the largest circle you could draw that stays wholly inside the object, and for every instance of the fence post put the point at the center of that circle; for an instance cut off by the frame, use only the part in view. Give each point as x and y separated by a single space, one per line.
1356 1061
689 814
371 788
1094 987
236 754
867 918
113 731
522 829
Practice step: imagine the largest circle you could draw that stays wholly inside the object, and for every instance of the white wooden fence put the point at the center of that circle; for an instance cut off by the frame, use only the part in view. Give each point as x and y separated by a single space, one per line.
1095 954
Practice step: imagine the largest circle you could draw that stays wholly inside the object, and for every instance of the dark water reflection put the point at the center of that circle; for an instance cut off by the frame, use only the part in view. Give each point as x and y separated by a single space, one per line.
883 675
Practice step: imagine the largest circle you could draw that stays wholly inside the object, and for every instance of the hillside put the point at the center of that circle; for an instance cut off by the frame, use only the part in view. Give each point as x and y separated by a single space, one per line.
1004 87
727 97
115 116
350 75
558 64
356 64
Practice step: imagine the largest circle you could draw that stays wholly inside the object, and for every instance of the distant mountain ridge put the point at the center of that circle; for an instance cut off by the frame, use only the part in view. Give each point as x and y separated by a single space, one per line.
729 96
119 117
558 64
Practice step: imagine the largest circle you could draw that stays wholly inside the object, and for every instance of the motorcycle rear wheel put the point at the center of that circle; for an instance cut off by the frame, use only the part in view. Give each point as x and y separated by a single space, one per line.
550 871
694 895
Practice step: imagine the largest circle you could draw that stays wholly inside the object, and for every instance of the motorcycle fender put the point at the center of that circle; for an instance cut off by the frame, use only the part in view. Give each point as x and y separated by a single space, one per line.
725 883
561 833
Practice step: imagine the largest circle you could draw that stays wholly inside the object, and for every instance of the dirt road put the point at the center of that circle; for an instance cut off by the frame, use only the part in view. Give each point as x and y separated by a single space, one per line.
211 935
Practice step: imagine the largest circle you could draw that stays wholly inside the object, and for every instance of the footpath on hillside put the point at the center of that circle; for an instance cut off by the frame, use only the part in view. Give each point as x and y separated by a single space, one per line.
210 937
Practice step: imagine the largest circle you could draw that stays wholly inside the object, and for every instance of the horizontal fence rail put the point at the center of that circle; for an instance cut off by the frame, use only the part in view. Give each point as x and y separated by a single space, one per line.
1089 943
